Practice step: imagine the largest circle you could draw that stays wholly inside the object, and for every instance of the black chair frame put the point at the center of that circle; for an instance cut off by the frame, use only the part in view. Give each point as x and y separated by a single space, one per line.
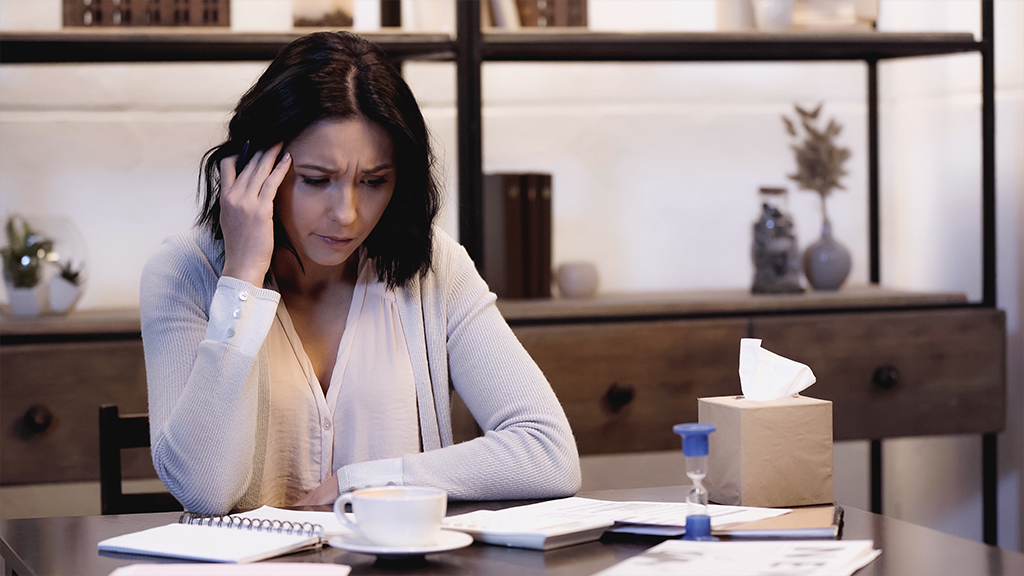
116 433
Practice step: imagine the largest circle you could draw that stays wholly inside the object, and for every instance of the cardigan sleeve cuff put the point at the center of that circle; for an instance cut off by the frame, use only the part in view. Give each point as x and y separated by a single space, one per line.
372 474
241 314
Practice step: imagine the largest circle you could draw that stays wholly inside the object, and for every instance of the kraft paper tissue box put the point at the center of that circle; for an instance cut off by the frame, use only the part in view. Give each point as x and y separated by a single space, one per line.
771 453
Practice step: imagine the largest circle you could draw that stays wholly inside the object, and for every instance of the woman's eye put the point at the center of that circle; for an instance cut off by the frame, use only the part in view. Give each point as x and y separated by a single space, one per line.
310 181
376 182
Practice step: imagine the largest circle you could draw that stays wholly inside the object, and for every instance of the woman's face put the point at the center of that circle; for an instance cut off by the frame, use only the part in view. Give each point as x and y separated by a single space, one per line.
341 180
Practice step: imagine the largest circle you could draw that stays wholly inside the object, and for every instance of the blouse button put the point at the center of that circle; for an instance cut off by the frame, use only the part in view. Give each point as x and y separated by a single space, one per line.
243 296
391 483
231 332
327 424
236 313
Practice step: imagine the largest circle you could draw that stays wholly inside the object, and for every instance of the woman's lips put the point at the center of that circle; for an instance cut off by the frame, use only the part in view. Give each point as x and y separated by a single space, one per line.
334 241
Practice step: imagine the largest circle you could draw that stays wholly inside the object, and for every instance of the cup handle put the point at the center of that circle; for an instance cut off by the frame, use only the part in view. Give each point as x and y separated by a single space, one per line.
339 513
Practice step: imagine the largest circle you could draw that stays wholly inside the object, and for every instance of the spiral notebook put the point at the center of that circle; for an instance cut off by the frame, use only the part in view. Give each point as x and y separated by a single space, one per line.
219 539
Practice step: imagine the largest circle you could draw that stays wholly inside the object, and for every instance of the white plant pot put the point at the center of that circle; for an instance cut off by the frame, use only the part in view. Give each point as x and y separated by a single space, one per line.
27 301
773 15
63 295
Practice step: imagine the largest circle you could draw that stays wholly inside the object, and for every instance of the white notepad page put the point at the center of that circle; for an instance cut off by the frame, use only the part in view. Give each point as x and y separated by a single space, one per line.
208 543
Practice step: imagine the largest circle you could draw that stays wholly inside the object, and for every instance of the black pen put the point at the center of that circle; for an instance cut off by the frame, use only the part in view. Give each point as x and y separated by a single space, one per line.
243 158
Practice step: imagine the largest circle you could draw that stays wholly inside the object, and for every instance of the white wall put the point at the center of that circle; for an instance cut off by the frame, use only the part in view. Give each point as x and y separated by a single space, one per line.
656 170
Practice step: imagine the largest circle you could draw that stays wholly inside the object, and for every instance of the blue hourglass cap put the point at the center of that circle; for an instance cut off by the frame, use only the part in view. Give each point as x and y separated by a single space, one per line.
695 438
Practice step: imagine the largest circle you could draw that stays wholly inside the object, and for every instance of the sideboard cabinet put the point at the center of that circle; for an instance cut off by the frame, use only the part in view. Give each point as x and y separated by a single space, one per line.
55 372
626 368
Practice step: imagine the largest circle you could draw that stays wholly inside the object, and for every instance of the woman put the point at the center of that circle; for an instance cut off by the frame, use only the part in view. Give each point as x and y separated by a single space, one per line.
305 337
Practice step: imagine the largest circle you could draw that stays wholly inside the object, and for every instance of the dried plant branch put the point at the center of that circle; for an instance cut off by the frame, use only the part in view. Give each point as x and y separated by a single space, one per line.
819 161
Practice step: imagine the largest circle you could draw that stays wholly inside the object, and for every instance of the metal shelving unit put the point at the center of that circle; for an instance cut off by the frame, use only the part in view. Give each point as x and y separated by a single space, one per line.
471 48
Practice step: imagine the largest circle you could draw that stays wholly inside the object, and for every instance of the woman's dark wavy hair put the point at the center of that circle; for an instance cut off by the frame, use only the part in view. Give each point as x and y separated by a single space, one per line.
340 75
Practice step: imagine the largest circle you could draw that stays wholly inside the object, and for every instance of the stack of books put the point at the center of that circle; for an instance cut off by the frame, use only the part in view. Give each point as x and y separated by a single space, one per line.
517 235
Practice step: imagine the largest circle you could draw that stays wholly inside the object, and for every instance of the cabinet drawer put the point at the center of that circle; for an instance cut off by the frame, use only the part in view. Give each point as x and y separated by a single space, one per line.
69 381
624 385
949 378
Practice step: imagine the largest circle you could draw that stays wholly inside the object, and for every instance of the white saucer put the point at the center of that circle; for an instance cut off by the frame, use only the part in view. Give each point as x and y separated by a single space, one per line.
446 540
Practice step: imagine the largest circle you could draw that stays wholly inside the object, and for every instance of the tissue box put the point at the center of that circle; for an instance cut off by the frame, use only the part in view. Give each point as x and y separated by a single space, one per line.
773 453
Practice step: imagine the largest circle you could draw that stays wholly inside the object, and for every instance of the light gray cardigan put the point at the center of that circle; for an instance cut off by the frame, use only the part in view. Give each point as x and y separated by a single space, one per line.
209 400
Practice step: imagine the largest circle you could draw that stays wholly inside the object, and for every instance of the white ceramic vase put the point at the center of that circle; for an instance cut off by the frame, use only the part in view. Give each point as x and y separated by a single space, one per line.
27 301
63 295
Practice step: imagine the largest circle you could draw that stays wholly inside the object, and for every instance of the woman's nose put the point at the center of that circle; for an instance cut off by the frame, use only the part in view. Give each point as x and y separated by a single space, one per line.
345 206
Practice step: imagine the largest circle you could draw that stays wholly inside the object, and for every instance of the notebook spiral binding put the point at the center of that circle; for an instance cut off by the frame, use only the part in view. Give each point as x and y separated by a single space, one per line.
256 524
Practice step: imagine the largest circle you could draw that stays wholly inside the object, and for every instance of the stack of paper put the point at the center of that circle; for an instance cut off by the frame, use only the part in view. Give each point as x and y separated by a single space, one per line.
555 523
814 558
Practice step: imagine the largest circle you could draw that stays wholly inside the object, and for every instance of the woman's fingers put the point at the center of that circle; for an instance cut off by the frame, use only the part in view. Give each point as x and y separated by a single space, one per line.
264 165
247 221
269 189
227 172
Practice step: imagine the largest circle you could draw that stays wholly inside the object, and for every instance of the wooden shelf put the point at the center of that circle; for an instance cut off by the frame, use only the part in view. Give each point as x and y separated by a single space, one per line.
189 45
702 303
87 324
721 46
200 45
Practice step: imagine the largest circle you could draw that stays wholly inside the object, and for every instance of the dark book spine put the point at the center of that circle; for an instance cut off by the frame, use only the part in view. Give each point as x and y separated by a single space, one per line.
538 235
515 281
503 235
544 255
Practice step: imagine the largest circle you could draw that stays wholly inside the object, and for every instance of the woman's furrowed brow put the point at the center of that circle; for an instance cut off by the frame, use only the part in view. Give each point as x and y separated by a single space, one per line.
381 168
317 168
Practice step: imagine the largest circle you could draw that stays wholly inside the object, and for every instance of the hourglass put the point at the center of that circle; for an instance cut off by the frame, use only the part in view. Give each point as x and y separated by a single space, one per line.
695 450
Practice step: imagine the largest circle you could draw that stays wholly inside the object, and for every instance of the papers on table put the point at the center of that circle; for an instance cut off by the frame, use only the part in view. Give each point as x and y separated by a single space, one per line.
578 514
655 513
807 558
257 569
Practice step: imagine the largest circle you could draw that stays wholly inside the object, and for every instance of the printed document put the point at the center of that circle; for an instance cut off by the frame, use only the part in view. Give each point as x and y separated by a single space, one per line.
806 558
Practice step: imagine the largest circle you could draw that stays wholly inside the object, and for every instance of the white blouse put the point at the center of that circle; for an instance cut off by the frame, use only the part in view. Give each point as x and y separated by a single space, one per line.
369 412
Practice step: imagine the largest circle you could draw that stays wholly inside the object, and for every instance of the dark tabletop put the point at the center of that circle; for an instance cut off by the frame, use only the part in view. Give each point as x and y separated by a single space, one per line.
68 546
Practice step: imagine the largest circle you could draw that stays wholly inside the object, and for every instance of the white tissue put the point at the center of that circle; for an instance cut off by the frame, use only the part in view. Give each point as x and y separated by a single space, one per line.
765 375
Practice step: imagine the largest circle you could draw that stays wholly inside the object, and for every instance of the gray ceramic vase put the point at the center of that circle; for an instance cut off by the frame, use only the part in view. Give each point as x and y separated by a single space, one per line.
826 262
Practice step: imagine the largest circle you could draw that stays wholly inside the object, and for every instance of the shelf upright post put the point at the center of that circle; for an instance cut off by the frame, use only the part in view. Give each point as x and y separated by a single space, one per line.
468 60
988 157
989 464
873 208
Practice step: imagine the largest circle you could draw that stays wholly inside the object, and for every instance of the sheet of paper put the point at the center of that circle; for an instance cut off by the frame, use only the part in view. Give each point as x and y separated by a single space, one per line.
257 569
554 512
807 558
327 520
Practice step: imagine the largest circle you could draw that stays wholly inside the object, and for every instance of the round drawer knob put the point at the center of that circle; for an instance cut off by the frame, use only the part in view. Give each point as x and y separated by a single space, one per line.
886 377
618 396
38 418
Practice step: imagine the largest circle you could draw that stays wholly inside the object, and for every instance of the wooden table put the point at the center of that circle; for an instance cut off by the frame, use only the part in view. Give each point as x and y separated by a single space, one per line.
68 546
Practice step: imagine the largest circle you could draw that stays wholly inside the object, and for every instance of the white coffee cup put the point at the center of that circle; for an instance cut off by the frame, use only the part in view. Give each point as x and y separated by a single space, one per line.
398 516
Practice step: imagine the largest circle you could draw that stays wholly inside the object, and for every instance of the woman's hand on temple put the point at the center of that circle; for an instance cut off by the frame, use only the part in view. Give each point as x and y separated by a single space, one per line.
325 493
247 213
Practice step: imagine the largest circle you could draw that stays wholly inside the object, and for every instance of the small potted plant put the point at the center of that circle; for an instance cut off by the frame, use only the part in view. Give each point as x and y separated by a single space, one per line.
66 287
23 259
819 163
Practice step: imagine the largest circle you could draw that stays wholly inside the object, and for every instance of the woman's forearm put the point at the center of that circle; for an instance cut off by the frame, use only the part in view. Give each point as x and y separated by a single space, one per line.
203 388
